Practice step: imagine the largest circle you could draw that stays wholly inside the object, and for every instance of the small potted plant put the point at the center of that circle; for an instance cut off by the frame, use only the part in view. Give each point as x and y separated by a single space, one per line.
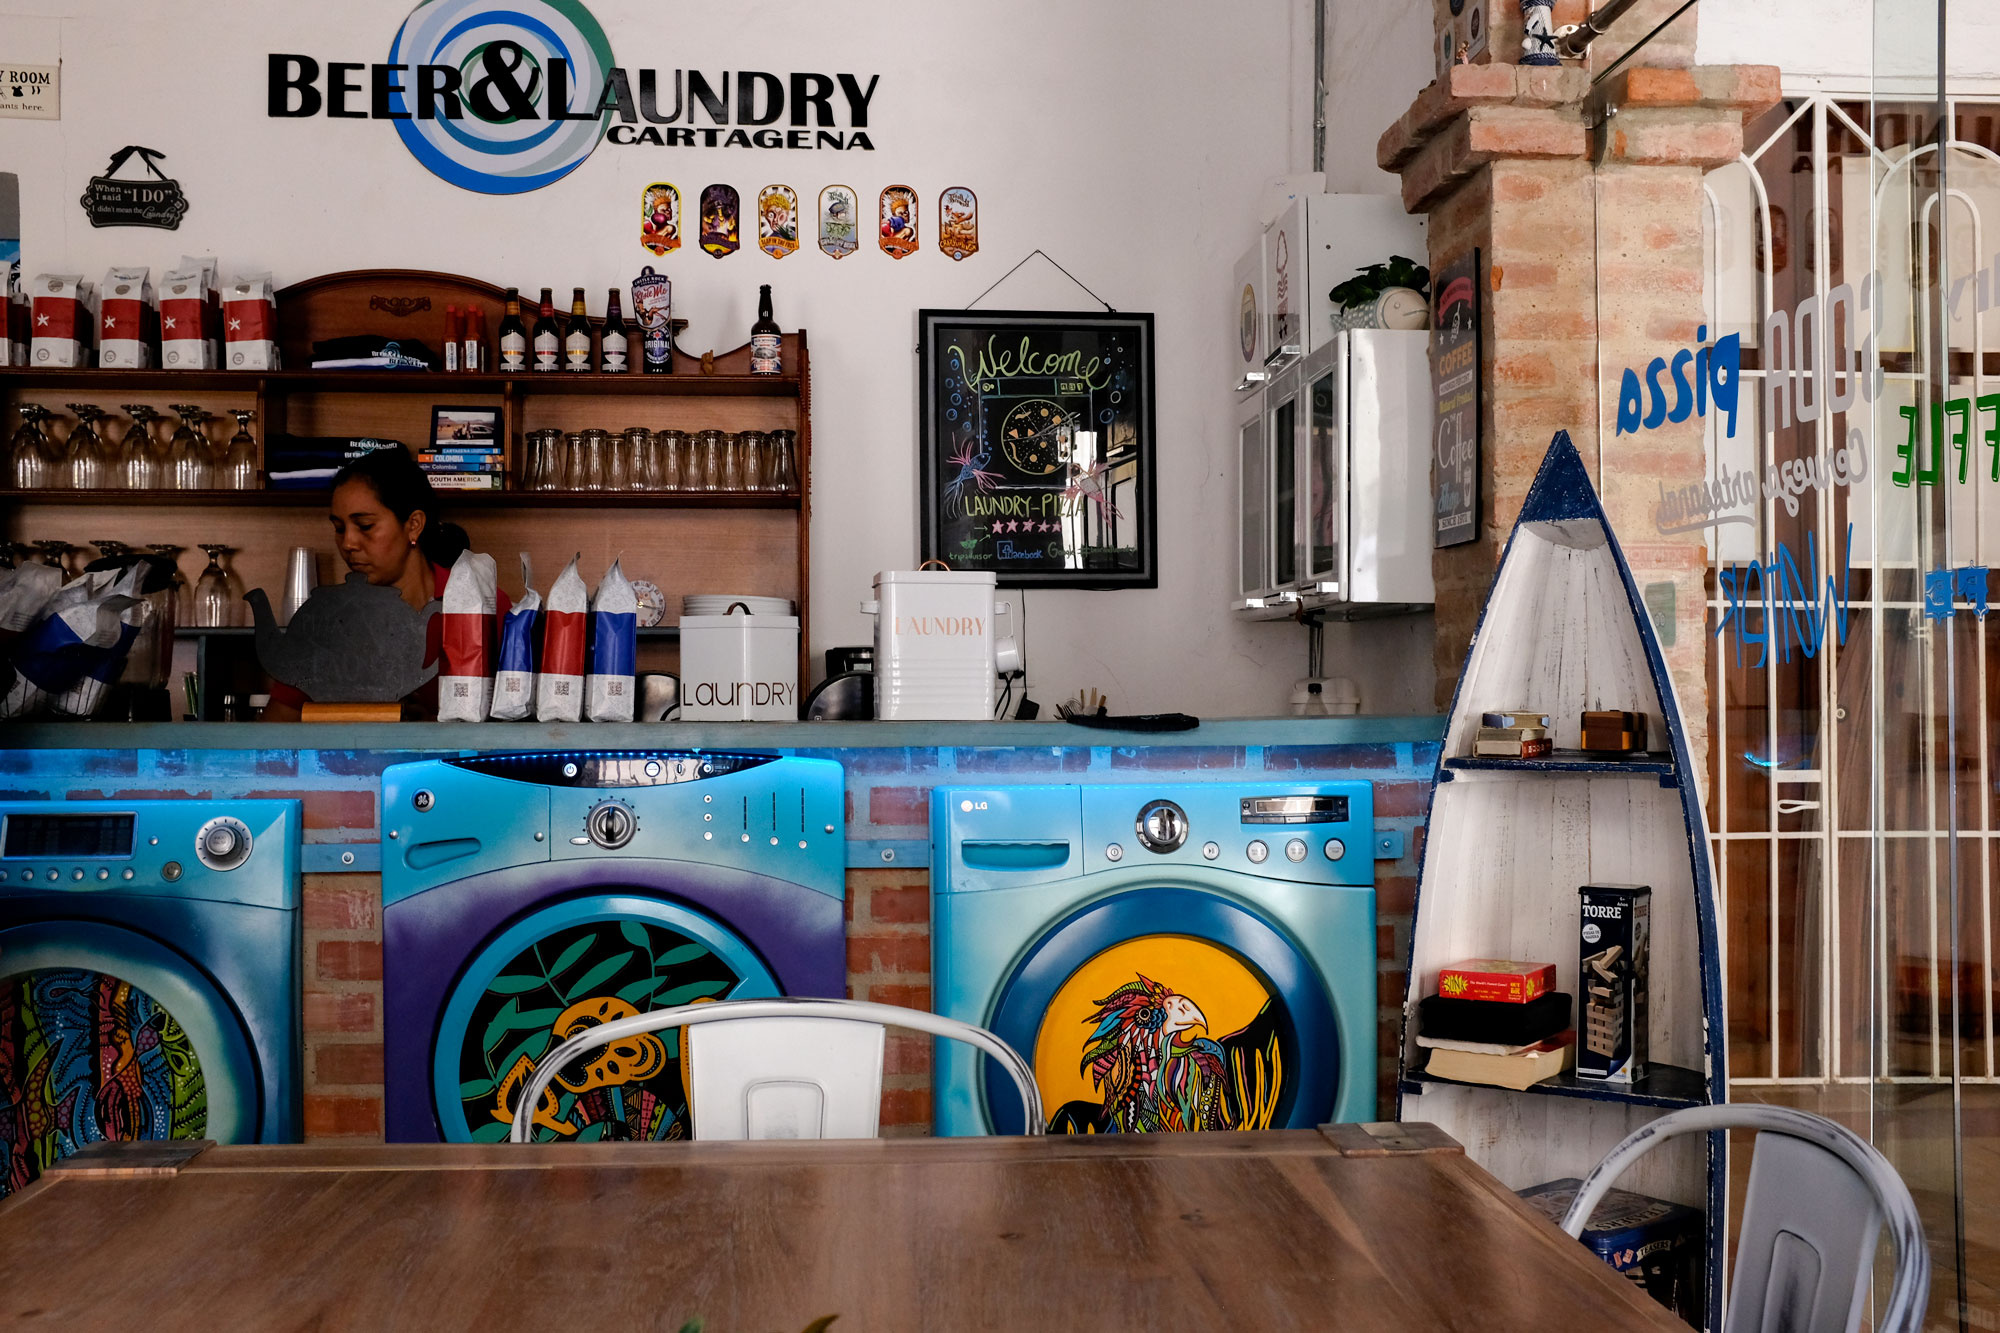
1395 295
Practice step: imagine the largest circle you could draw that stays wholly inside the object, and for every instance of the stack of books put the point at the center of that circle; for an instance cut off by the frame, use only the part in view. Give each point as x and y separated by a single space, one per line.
1513 734
1498 1022
464 467
1614 731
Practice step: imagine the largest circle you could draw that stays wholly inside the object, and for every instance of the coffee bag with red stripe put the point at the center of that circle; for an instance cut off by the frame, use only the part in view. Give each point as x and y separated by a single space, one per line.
465 675
184 318
61 321
124 319
559 687
250 323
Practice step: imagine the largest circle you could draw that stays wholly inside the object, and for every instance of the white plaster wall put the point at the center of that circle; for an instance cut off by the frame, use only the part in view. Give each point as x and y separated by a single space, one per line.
1378 58
1851 39
1130 140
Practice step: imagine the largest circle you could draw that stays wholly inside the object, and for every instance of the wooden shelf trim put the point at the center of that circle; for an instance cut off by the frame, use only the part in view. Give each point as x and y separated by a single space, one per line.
451 500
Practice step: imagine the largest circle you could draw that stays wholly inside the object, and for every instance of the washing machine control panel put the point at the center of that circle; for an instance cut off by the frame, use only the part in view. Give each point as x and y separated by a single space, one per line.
612 768
172 848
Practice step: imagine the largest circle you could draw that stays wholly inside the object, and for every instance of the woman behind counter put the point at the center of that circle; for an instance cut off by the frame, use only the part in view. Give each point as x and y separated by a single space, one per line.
387 527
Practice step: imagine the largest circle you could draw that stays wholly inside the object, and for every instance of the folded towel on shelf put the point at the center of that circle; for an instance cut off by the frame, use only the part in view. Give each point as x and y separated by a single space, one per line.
372 351
306 479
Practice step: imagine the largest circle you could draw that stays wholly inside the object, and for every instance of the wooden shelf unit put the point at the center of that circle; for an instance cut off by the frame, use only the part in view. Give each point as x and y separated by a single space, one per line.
686 542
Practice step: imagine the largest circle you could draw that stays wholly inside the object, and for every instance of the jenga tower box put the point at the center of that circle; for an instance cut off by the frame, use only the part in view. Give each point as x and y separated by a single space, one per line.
124 316
1614 935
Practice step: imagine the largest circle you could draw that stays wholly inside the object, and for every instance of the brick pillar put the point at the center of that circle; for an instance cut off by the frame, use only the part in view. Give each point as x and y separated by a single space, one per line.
1590 233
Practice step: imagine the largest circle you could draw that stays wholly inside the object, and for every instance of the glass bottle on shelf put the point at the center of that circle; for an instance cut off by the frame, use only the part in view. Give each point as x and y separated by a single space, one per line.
614 357
513 334
548 339
576 338
767 345
31 457
239 461
83 456
141 466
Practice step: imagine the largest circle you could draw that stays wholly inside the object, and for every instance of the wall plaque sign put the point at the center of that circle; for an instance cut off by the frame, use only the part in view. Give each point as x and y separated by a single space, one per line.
1455 389
30 92
1037 446
144 201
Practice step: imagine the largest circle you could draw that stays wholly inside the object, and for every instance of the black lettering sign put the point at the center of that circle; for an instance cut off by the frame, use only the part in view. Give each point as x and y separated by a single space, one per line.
149 201
1455 307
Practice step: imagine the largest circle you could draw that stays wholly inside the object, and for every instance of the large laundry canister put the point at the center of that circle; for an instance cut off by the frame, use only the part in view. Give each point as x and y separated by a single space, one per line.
934 644
739 668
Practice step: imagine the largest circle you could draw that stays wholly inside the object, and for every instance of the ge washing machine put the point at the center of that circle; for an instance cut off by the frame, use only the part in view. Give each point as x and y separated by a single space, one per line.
1196 956
526 897
148 975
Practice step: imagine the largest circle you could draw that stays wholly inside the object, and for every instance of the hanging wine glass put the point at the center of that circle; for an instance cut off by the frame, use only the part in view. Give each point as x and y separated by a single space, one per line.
31 456
212 606
83 454
239 461
188 454
183 595
141 464
10 553
54 551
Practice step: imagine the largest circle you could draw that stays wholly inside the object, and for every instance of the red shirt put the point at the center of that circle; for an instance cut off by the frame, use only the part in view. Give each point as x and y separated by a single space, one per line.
425 696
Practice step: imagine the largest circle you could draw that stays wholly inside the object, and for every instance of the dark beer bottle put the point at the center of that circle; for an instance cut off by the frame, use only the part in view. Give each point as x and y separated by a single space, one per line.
615 358
513 334
767 345
576 338
548 339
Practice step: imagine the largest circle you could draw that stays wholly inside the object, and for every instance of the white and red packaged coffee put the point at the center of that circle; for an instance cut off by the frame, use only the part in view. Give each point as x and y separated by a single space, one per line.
61 320
250 323
565 626
184 319
125 330
468 639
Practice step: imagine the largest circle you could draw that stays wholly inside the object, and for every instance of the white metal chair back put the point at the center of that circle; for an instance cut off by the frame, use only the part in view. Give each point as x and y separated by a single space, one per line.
781 1069
1818 1197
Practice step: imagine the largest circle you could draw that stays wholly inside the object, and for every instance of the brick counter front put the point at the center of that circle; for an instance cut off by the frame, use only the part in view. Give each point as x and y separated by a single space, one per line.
890 770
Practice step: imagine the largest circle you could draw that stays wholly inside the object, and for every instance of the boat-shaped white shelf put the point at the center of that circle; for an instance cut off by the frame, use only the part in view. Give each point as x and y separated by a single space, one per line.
1510 841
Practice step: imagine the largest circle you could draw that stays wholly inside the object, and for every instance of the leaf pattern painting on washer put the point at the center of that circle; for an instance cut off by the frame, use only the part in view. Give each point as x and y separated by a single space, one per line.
84 1057
566 982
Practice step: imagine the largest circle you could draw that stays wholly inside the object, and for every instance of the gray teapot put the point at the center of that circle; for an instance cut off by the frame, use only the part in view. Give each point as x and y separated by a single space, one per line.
350 642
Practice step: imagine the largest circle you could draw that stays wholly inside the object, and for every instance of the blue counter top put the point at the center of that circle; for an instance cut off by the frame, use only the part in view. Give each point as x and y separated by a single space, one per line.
459 736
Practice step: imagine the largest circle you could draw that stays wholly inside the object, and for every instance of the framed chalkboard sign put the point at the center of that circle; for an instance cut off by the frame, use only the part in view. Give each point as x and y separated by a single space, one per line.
1455 394
1037 446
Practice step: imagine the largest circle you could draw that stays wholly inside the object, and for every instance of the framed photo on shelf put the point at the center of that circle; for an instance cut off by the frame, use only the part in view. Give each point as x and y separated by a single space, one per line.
1037 446
464 428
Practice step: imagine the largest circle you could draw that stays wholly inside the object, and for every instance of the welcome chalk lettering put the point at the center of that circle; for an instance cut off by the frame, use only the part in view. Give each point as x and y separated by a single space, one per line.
995 362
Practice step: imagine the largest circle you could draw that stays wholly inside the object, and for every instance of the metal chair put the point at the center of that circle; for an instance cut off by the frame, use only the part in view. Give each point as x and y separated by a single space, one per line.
1818 1196
781 1069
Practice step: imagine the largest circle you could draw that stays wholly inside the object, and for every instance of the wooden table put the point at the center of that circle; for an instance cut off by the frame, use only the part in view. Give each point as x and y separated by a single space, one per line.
1251 1231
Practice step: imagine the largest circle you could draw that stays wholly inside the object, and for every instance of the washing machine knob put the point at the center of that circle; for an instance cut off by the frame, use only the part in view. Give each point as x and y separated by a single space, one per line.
1162 826
611 825
222 843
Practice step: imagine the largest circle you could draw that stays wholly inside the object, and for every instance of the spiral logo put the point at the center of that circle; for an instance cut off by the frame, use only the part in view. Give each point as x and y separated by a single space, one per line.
506 142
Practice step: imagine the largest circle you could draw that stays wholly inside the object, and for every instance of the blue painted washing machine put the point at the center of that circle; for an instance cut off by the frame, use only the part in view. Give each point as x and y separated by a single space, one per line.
149 988
1167 957
526 897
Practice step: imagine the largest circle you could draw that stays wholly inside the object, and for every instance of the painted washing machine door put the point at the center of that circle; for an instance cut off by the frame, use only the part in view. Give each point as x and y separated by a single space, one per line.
567 967
108 1034
1167 1009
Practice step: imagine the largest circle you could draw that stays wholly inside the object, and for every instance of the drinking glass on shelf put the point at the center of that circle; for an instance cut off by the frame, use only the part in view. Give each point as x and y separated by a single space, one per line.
83 456
217 593
31 456
782 466
141 464
183 598
552 460
588 465
752 446
732 462
239 461
640 447
189 457
617 466
707 461
672 446
573 478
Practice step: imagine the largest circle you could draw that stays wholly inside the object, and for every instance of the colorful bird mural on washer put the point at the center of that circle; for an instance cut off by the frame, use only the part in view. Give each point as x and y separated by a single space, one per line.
1155 1069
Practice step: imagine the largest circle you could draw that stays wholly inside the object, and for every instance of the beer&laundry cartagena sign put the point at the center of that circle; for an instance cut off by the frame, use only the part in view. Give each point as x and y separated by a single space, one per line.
504 98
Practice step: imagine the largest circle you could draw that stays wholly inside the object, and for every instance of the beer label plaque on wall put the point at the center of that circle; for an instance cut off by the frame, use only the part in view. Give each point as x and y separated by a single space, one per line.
838 221
719 217
899 221
958 222
777 220
145 201
660 218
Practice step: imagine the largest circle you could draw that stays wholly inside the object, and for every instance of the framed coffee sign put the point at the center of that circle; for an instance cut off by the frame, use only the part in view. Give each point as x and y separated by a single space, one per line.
1036 448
